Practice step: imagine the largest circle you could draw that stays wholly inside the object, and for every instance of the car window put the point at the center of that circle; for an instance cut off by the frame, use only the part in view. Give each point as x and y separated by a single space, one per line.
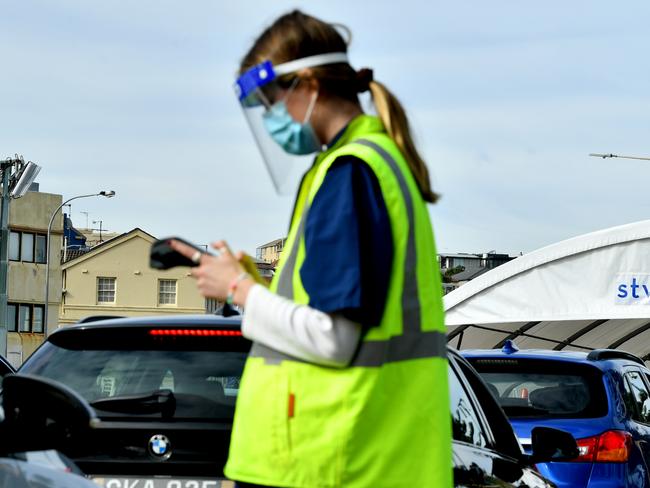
466 426
547 389
204 383
637 397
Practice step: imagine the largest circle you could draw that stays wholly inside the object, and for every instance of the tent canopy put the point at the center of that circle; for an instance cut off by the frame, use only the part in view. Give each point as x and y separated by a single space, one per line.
588 292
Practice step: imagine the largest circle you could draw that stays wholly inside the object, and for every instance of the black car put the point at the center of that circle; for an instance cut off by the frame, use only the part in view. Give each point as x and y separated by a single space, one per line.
29 437
164 390
486 451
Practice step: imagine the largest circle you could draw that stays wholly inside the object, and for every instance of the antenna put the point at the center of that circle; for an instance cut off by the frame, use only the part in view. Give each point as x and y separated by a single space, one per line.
24 178
100 229
604 156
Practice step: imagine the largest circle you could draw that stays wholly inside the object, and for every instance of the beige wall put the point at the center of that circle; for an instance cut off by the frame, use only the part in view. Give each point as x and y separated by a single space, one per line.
125 258
34 210
26 283
270 253
20 346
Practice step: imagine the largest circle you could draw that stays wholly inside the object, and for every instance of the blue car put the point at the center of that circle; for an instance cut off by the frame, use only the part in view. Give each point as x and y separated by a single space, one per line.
601 397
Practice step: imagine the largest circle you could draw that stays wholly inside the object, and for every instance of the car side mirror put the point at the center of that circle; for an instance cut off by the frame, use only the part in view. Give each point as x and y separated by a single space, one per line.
41 414
552 445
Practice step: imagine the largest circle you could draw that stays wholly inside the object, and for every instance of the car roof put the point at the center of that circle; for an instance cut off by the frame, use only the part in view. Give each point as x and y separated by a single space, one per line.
527 354
162 321
602 359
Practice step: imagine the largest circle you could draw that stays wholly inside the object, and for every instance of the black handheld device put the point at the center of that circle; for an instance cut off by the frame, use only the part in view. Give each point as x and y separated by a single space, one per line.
162 256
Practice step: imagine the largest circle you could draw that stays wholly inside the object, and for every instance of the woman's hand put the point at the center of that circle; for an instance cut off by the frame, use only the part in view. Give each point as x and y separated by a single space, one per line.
216 274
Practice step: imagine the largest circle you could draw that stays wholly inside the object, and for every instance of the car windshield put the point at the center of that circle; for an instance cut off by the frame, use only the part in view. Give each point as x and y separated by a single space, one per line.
546 389
203 383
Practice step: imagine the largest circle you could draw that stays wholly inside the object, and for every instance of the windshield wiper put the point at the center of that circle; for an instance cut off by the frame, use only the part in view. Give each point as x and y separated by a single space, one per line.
159 401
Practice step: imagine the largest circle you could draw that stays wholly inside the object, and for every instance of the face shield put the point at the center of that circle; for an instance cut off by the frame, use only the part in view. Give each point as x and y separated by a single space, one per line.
287 145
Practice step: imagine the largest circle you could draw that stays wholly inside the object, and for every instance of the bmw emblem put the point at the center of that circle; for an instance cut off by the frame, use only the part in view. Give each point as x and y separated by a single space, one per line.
160 447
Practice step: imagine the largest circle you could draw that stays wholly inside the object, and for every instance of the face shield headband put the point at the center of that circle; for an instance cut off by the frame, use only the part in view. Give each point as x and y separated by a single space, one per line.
286 146
247 86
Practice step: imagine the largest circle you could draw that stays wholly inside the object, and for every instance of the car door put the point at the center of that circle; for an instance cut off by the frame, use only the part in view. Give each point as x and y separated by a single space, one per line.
637 400
480 457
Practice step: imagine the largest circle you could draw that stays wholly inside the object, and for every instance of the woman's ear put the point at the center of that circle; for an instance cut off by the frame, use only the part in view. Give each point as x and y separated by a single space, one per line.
314 84
308 80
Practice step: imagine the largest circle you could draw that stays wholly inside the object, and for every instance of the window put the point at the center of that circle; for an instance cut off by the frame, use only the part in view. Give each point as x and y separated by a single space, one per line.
265 272
105 290
544 389
37 319
637 397
14 246
27 247
25 317
465 424
12 317
167 292
40 250
203 376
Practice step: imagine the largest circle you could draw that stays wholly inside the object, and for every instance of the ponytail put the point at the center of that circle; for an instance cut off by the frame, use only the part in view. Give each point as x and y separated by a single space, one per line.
393 117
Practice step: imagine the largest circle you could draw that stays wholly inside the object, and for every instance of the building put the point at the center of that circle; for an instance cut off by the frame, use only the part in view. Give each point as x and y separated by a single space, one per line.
29 217
459 268
270 252
266 270
72 238
114 278
456 269
95 236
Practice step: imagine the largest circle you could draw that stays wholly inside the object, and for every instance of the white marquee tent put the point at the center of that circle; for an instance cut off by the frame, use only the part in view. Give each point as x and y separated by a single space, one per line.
591 291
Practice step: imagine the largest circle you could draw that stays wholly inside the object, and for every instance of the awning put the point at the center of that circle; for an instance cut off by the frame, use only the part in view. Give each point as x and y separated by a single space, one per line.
591 291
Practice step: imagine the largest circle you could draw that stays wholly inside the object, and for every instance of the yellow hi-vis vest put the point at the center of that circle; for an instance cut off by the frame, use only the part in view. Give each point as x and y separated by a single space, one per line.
384 421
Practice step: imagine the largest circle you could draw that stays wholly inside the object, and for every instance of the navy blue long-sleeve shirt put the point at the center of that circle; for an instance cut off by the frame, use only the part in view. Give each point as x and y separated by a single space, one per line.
349 244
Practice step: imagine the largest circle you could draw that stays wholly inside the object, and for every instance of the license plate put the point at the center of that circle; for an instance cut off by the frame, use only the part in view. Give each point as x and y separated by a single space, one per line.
113 482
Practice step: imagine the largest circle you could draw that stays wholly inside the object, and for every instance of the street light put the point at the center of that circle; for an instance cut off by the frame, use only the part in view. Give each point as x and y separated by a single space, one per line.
103 193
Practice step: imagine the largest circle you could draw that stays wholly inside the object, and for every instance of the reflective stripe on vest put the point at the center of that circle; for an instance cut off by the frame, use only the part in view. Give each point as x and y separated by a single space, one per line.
413 343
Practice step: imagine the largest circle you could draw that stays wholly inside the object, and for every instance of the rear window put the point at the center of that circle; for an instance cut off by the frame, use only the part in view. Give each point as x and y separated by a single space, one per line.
544 389
202 373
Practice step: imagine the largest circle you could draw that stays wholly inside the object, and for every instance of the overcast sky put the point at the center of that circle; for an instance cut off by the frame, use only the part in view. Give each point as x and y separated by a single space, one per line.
506 100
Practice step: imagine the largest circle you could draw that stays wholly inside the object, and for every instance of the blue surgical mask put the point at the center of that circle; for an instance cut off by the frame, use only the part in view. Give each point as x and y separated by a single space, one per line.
292 136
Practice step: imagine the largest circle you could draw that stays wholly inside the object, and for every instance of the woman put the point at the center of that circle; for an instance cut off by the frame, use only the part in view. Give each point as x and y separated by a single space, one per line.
346 383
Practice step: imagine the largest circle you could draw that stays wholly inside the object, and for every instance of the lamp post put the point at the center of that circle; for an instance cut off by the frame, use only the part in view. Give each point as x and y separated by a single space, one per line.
107 194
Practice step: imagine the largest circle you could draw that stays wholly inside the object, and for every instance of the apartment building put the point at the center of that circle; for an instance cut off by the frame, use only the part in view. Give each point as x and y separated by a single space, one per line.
28 220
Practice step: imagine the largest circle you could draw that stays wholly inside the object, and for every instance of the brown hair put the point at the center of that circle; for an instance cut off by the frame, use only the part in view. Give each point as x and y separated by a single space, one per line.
297 35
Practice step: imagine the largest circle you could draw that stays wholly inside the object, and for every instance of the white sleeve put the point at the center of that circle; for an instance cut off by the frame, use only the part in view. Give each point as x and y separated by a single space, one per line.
299 330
